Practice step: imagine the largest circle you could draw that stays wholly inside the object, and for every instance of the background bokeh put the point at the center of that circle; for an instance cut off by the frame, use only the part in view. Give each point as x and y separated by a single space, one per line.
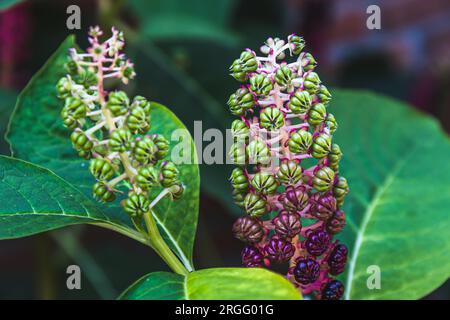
182 50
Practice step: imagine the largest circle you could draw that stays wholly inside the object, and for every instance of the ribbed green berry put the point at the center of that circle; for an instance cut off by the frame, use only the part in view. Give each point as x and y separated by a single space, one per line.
289 173
271 118
238 153
101 169
317 114
81 142
72 67
311 82
63 88
340 190
176 190
239 198
264 183
239 130
138 121
140 101
300 142
335 157
323 179
136 205
120 140
162 146
74 110
300 102
255 205
331 123
84 154
245 64
308 62
321 146
147 177
239 180
86 78
323 94
118 103
261 84
168 174
102 192
283 76
296 43
258 152
144 150
241 101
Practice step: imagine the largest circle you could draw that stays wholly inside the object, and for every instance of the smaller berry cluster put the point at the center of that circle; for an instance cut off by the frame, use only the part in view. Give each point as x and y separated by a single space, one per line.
111 130
287 180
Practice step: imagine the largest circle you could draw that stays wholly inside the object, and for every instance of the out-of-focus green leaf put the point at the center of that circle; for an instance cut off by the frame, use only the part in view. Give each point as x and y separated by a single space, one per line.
6 4
36 134
396 162
7 101
213 284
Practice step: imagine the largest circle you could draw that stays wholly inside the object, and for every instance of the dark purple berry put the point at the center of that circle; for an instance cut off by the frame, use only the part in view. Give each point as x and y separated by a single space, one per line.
323 206
294 199
306 271
337 259
252 257
248 229
317 242
333 290
287 225
336 223
279 250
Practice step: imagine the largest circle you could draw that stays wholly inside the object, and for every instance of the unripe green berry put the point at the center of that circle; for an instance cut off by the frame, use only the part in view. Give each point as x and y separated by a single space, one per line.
255 205
311 82
168 174
120 140
238 153
308 62
241 101
261 84
118 103
296 44
331 123
323 94
144 150
239 130
283 76
335 157
140 101
258 152
162 146
289 173
317 114
84 154
239 180
323 179
72 67
271 118
136 205
101 169
138 121
74 110
147 177
239 198
63 87
81 142
300 102
245 64
86 78
102 192
321 146
264 183
300 142
340 190
176 190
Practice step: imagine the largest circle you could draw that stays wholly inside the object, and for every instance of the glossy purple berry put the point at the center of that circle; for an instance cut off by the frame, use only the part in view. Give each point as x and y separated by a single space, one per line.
323 206
252 257
337 259
333 290
287 225
279 250
306 271
248 229
336 223
317 242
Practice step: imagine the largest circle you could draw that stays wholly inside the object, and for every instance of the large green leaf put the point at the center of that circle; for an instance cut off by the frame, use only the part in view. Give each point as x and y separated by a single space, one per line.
36 134
213 284
396 162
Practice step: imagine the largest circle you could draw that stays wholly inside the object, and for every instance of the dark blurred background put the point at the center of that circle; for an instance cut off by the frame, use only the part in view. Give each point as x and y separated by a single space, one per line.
182 50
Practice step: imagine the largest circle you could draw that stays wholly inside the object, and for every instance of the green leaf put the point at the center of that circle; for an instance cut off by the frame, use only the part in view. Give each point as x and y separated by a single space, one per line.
396 162
6 4
213 284
36 134
7 100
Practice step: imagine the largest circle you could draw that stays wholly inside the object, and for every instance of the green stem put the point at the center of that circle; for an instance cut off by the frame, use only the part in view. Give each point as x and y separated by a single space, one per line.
161 247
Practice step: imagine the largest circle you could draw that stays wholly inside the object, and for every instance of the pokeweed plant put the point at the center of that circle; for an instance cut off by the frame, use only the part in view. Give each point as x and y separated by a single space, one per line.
99 143
284 122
